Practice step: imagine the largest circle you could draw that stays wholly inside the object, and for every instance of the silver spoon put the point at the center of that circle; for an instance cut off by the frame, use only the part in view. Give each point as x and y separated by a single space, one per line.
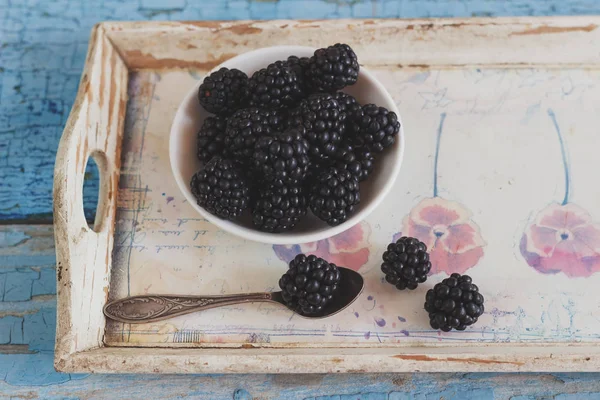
152 308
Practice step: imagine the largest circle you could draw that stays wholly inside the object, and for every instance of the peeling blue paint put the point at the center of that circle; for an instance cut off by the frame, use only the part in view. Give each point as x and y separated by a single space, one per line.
42 50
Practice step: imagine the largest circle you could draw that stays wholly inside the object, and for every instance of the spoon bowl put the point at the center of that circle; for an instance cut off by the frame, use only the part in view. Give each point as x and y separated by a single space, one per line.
152 308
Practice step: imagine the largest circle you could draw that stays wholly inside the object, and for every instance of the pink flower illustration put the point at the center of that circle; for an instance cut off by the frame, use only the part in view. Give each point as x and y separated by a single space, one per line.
452 239
563 238
348 249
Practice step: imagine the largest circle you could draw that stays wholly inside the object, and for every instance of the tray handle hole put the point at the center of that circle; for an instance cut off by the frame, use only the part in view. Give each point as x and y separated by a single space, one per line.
94 190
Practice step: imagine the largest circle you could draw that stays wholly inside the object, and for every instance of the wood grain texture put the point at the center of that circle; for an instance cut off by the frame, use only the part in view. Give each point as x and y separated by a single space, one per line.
444 43
94 129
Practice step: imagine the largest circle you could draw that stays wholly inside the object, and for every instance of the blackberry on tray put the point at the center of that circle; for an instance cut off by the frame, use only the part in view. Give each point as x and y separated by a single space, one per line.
223 91
309 284
220 188
455 303
275 87
373 127
333 68
334 194
279 208
406 263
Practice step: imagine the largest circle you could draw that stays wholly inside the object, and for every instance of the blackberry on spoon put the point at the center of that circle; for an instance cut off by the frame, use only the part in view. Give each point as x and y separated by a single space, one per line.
309 284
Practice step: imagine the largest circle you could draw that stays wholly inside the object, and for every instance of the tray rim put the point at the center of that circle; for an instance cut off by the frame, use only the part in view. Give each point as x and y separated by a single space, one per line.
95 128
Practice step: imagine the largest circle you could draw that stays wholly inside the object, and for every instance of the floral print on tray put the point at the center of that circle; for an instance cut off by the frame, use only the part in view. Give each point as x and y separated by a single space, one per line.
563 237
349 249
453 239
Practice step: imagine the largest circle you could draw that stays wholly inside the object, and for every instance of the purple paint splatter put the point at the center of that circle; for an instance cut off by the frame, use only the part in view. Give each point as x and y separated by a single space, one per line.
370 298
405 333
355 314
380 321
367 335
170 199
401 319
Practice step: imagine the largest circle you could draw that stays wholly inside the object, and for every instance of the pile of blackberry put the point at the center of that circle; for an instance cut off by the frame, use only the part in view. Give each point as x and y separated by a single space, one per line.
286 140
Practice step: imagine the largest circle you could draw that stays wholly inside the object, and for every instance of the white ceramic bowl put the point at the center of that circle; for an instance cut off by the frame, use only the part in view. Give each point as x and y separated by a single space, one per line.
184 163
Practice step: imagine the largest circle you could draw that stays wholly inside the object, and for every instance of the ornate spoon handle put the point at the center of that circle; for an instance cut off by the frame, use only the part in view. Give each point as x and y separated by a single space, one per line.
151 308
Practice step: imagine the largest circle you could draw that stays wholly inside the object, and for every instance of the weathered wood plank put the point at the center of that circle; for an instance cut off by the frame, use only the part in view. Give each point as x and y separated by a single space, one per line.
22 381
43 48
31 245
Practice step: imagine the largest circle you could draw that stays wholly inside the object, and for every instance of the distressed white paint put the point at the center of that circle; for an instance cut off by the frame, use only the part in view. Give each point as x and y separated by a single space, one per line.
506 43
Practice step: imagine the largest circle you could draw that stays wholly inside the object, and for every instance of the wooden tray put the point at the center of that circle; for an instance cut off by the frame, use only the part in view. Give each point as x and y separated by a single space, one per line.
499 178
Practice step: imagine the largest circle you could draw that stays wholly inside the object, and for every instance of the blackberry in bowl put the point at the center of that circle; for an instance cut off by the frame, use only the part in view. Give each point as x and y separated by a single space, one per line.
279 208
321 118
269 173
282 159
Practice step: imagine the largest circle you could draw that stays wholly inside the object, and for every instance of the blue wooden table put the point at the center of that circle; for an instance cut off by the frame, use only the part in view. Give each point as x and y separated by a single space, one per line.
42 50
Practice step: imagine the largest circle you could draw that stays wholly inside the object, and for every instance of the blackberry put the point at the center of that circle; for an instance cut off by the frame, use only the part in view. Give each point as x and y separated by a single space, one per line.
279 209
406 263
348 103
275 87
299 65
244 128
322 119
358 161
309 284
333 68
220 188
211 138
224 91
373 127
454 303
282 159
333 195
